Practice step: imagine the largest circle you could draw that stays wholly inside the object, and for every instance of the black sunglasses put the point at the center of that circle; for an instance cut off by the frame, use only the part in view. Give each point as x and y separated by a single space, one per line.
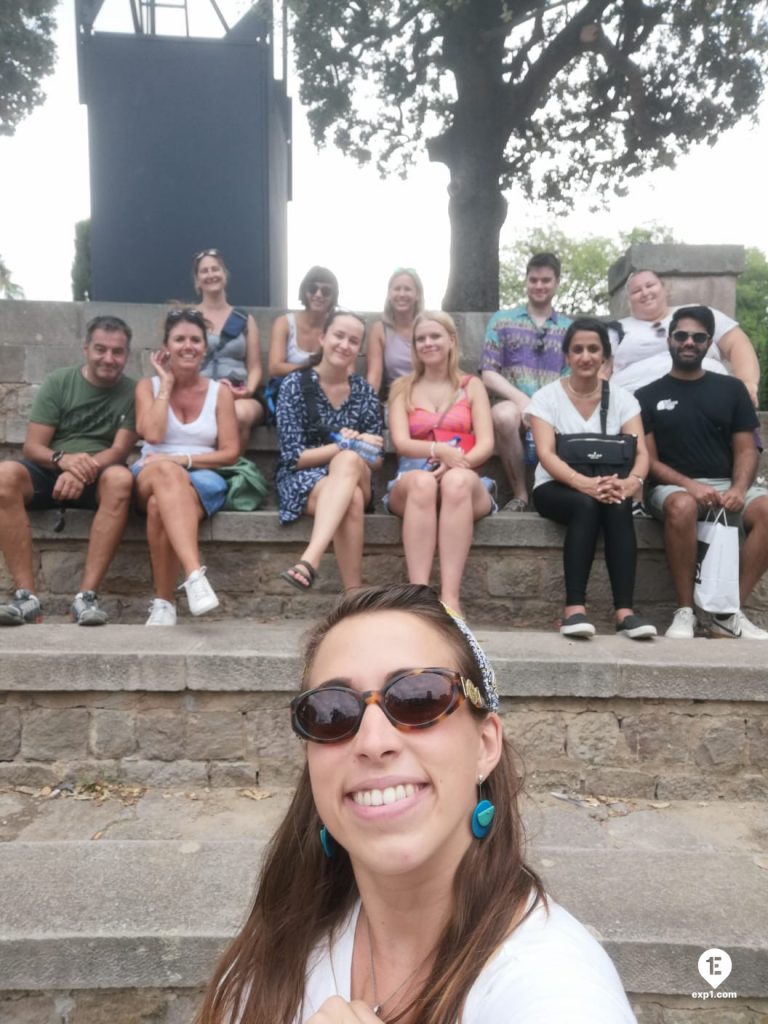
416 699
697 337
325 290
196 317
541 334
206 252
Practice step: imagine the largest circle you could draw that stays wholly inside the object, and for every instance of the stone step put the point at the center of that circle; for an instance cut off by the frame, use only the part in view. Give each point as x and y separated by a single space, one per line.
120 912
206 704
513 577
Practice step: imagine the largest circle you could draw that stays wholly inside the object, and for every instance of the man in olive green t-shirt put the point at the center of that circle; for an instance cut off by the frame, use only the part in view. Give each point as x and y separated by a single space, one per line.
80 434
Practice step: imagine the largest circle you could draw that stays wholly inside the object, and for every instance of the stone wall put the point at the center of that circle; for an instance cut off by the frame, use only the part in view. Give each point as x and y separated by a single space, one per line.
655 749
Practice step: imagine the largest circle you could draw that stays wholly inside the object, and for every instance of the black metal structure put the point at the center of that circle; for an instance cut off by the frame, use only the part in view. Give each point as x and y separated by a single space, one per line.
189 149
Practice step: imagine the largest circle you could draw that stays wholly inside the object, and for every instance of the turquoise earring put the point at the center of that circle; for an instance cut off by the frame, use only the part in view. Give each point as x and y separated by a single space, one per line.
482 816
327 843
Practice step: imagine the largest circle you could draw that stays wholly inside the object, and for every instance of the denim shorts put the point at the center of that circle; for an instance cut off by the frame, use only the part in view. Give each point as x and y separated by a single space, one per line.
406 465
211 488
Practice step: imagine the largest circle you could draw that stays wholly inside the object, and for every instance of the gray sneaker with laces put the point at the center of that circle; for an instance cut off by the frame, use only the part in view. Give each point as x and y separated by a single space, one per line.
24 608
85 610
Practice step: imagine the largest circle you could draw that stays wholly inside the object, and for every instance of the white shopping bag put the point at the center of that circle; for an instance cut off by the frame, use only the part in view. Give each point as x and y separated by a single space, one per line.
716 587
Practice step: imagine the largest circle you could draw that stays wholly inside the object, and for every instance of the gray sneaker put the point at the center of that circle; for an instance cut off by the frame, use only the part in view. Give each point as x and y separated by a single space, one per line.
24 607
85 610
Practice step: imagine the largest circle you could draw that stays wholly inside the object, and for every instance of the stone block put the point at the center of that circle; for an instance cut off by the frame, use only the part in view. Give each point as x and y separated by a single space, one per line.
757 738
723 742
161 734
659 736
51 735
28 1008
113 733
594 736
535 735
21 773
12 363
277 751
215 735
10 733
619 782
232 773
514 574
182 774
121 1006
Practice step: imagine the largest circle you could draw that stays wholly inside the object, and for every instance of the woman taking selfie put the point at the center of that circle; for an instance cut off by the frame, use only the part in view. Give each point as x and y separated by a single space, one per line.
233 357
440 424
389 339
329 425
189 428
395 889
587 504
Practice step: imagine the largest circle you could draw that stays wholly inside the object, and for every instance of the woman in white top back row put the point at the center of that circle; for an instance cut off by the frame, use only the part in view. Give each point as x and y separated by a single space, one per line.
189 427
641 354
296 336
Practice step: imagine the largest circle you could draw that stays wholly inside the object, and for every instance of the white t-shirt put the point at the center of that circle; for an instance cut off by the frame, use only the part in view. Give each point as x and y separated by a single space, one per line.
552 404
643 356
549 970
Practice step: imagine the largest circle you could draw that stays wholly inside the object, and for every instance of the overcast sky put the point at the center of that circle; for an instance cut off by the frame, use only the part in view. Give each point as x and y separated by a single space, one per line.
715 196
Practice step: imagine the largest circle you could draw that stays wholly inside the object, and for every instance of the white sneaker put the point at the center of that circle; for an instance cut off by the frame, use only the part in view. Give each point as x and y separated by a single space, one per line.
161 613
737 626
683 626
200 595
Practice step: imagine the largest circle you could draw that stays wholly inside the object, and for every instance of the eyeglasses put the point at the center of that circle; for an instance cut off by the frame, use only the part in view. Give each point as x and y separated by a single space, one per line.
216 253
659 329
697 337
416 699
324 289
192 314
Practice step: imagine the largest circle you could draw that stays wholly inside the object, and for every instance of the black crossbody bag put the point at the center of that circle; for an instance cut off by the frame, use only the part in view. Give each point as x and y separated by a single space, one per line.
600 454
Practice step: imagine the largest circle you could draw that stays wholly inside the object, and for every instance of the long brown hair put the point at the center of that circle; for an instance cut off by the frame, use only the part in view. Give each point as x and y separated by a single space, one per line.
304 897
405 385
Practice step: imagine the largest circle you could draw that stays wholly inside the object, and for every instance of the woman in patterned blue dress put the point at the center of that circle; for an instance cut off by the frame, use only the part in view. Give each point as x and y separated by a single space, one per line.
321 477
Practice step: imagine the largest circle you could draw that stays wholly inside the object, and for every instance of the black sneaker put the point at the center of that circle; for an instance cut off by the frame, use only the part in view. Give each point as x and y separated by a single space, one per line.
577 625
636 627
24 608
85 610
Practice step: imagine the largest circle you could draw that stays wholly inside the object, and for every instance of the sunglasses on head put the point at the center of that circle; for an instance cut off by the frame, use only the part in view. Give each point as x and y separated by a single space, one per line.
416 699
215 253
697 337
174 315
323 289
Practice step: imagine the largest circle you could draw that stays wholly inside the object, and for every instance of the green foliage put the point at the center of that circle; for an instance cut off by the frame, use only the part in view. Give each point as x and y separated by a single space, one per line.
752 312
558 96
81 264
27 54
8 288
585 262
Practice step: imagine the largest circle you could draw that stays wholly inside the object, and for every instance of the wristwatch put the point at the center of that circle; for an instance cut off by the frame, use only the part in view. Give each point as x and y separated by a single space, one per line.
56 457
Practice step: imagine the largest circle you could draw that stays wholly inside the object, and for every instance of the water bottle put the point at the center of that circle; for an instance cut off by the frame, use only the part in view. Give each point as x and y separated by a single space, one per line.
366 450
529 449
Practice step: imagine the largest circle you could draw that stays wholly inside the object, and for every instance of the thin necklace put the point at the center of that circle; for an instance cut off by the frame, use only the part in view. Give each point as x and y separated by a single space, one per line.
379 1003
579 394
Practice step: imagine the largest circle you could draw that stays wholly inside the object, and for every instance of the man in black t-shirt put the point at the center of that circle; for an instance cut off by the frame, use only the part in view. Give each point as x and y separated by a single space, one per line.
700 434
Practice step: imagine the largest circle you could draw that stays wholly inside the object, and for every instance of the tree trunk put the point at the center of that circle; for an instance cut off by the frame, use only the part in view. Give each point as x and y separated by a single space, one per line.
477 211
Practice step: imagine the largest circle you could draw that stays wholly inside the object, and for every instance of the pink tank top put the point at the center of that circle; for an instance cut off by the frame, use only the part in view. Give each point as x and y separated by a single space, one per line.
421 422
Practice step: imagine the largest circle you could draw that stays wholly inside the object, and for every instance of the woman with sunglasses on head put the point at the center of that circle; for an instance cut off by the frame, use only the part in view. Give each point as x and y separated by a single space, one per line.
234 355
189 427
441 427
329 425
389 339
588 504
395 889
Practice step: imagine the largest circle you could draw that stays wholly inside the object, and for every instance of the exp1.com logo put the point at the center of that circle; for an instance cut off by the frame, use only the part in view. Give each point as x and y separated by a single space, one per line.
714 966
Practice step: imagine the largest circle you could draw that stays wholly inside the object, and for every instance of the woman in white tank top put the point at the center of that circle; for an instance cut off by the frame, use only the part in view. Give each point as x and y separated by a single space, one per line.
189 428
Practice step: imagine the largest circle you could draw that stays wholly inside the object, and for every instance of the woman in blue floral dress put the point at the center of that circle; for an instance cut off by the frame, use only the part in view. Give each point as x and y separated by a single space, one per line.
324 476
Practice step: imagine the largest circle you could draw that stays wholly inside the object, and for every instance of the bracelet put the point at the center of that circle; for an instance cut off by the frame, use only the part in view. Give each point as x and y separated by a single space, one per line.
189 461
640 478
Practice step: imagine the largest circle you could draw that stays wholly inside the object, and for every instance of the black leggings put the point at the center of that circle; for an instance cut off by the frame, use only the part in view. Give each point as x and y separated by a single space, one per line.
583 517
